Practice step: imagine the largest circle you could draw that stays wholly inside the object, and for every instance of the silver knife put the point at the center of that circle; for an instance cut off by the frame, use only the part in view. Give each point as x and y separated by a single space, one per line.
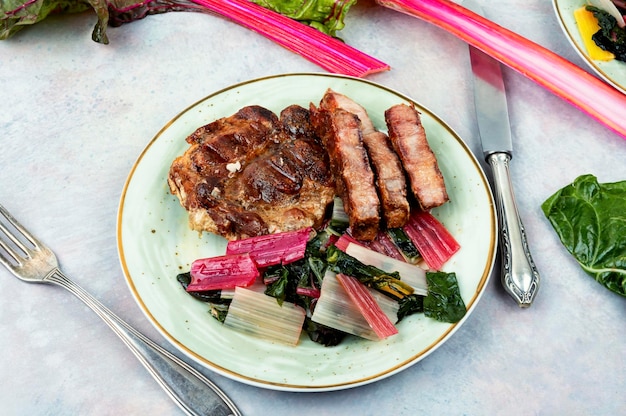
520 277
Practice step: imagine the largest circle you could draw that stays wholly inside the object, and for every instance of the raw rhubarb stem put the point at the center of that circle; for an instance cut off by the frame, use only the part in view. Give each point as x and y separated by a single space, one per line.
329 53
566 80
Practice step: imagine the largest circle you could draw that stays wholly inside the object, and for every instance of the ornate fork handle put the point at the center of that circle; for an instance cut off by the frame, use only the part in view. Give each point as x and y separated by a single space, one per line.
520 277
182 382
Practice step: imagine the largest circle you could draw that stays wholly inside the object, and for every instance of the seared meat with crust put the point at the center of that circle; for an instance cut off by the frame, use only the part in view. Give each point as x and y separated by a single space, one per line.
390 179
389 174
333 100
252 174
409 141
341 134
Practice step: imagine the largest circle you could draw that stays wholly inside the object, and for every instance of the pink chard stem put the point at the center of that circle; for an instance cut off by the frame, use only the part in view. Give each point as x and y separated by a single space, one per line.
566 80
329 53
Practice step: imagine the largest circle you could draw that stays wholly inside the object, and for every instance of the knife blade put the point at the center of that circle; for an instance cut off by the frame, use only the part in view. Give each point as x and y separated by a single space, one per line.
519 275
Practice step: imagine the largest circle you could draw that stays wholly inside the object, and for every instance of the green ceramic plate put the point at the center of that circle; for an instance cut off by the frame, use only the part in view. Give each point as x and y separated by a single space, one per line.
155 244
613 72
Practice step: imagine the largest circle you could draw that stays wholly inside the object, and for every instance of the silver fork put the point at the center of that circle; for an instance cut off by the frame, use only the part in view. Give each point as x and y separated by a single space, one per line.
31 261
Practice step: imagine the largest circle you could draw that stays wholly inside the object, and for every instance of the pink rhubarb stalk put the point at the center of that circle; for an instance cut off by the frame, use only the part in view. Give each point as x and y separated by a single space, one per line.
382 244
345 239
329 53
222 272
367 305
272 249
566 80
431 238
311 292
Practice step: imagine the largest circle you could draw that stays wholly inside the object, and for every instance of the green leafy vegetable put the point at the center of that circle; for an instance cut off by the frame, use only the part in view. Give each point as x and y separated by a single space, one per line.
404 244
444 302
610 37
410 305
590 220
279 285
315 45
206 296
16 14
325 15
322 334
388 283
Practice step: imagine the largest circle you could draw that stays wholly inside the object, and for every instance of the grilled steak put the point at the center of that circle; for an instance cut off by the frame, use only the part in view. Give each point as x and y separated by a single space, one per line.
340 132
409 141
390 179
254 173
333 100
389 174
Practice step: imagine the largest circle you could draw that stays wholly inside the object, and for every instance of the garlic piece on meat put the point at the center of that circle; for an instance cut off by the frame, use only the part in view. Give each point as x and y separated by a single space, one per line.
234 167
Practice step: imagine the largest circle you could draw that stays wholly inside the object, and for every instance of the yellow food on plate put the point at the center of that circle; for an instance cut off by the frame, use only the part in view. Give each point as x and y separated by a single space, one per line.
587 26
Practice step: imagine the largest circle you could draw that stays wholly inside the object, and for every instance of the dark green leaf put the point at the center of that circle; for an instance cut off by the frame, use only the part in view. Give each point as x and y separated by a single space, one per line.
610 37
388 283
206 296
323 334
409 305
325 15
404 244
590 220
443 302
279 288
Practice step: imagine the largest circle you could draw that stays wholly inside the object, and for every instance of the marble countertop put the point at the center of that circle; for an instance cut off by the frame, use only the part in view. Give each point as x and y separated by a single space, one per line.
75 115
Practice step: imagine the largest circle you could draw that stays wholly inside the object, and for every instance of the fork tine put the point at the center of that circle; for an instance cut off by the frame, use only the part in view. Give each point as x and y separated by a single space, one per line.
5 260
14 238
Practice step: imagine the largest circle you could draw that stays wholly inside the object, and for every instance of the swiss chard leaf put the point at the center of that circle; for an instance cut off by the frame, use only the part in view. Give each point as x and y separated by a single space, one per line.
325 15
281 288
443 302
371 276
323 334
17 14
610 37
410 305
590 220
213 296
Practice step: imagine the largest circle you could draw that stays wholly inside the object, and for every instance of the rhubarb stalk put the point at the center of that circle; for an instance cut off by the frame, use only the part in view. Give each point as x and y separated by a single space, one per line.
561 77
271 249
431 238
365 302
222 272
329 53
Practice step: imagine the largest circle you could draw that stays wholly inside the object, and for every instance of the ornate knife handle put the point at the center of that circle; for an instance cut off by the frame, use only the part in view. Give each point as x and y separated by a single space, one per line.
520 277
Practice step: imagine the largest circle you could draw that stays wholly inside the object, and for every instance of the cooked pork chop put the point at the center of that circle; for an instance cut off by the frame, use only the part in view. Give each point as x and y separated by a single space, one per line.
333 100
409 141
389 175
390 179
253 173
341 134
